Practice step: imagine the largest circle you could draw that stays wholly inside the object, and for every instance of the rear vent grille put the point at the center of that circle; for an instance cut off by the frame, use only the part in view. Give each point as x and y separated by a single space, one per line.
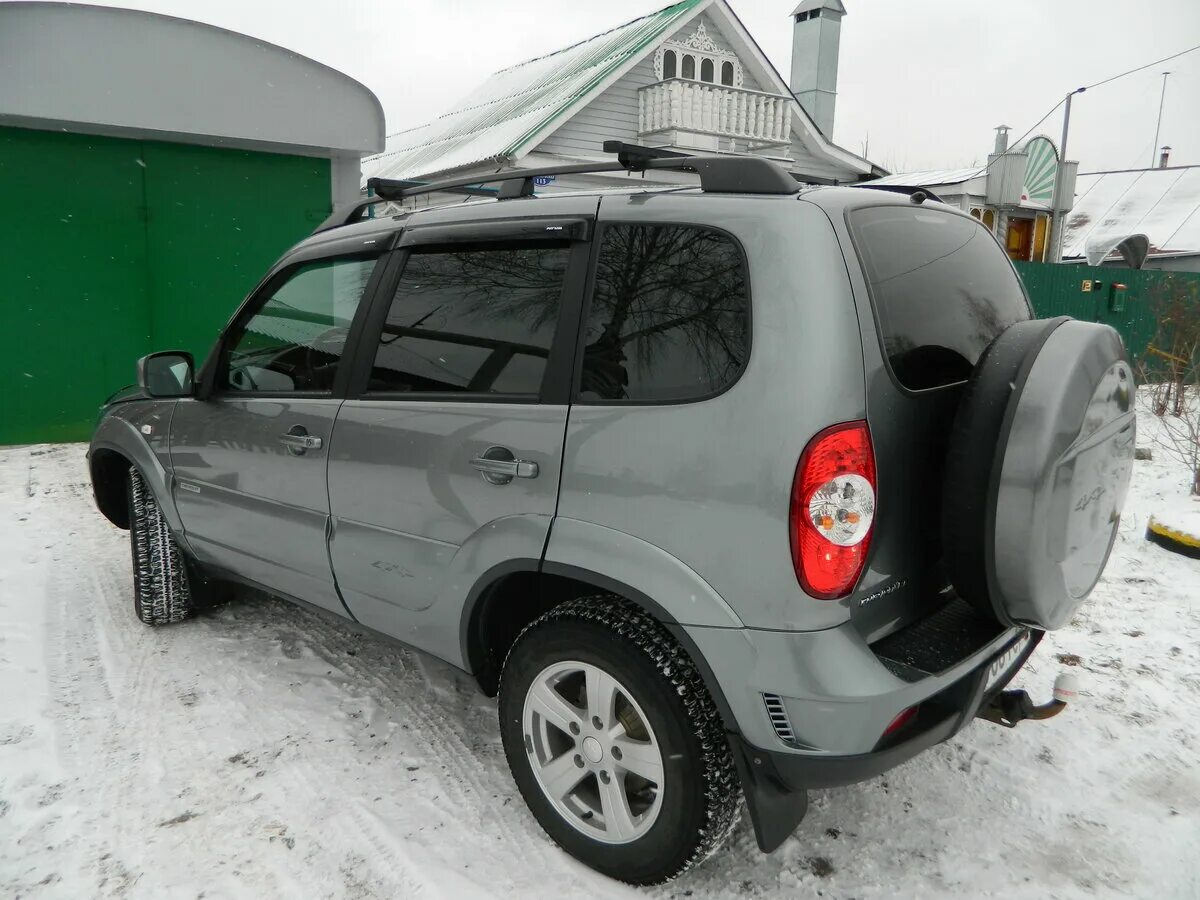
779 718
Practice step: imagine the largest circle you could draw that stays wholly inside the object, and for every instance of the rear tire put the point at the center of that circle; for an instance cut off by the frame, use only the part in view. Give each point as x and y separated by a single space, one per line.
161 584
686 801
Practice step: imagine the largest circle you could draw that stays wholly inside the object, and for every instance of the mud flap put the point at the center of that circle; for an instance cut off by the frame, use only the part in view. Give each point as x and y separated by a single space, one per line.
775 809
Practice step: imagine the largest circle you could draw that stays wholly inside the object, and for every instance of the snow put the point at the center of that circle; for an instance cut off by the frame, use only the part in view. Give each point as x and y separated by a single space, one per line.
1163 204
265 751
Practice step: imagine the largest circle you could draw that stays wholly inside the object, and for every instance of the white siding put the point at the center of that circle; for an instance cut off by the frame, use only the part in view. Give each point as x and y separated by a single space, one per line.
613 116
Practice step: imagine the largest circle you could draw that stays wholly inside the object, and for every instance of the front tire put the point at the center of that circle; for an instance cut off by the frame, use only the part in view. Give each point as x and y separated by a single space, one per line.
615 743
161 586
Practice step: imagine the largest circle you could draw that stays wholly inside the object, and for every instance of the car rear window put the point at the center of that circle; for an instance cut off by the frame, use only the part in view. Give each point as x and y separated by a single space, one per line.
942 288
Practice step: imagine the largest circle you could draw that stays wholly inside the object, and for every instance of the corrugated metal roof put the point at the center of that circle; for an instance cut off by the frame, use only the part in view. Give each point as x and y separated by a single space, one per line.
930 178
1163 204
504 113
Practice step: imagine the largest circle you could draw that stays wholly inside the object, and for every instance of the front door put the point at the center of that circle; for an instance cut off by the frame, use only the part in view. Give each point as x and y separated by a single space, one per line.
249 461
446 457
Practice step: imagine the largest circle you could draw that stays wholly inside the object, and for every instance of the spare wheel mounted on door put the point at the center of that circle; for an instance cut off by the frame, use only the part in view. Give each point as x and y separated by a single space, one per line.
1038 466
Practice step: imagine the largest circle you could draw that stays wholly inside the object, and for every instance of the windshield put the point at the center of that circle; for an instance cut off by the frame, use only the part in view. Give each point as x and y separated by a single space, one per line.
942 289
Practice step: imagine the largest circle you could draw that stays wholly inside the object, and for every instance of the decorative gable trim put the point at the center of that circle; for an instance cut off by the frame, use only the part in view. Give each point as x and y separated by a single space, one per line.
700 46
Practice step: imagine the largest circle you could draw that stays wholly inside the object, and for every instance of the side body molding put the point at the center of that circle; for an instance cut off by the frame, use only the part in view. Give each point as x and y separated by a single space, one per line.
681 593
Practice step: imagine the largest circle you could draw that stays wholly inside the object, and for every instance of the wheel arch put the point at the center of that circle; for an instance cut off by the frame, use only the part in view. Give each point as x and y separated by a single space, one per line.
110 475
524 589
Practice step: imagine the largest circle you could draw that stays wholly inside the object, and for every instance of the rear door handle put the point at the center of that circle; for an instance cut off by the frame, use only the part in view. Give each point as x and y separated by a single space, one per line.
499 466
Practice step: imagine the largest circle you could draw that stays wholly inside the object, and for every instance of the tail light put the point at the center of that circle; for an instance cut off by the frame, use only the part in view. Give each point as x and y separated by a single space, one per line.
833 509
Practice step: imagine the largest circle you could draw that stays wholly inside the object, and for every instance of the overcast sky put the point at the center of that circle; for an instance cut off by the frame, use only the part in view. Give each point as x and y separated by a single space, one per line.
924 83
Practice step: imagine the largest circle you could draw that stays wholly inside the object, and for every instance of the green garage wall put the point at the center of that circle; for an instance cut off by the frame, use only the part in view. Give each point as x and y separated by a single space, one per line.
111 248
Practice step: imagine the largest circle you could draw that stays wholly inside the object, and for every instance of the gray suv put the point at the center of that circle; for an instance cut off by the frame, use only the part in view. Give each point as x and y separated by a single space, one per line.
727 491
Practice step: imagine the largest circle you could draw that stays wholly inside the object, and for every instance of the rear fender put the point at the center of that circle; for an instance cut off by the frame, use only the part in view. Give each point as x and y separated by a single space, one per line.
681 595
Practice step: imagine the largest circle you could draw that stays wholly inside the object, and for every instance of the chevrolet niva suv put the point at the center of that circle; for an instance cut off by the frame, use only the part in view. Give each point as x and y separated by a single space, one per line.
732 490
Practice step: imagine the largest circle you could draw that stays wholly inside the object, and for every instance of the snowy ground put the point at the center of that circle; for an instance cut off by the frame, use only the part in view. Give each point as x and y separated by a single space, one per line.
262 751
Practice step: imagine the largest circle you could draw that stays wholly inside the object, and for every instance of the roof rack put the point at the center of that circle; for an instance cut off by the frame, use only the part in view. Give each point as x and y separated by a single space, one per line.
718 174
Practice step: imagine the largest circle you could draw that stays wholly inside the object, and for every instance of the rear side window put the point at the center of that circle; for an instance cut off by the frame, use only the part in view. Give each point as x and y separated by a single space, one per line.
474 321
669 318
942 289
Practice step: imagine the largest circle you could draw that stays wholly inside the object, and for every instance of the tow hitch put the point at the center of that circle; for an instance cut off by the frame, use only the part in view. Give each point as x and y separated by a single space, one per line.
1010 707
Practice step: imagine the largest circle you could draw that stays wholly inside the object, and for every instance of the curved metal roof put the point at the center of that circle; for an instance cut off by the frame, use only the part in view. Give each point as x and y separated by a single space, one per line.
127 73
1162 204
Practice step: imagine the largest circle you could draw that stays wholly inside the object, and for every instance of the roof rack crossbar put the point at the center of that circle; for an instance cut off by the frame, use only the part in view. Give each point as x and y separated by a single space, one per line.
718 174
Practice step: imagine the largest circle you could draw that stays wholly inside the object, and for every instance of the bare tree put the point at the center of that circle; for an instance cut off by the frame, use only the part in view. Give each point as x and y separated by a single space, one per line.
1170 369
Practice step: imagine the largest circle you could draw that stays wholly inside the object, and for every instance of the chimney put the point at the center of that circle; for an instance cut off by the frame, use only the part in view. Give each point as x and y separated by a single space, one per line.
1001 139
816 36
1166 155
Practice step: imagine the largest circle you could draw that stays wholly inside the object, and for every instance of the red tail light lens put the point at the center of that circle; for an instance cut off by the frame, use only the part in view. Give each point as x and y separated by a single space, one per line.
901 720
833 510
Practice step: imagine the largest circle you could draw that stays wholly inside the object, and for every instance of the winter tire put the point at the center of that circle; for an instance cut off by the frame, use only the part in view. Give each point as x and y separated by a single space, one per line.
615 743
161 586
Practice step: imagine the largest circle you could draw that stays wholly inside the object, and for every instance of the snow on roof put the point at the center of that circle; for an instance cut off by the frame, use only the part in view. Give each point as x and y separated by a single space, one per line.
505 112
930 178
1163 204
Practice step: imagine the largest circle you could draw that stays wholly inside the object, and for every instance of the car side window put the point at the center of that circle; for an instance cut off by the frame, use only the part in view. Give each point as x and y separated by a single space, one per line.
295 340
669 317
474 320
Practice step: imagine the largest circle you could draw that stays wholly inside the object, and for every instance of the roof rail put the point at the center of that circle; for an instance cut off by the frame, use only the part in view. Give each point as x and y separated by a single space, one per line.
718 174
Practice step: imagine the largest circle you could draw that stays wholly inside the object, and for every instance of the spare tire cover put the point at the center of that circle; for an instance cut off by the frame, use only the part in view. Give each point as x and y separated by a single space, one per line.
1037 470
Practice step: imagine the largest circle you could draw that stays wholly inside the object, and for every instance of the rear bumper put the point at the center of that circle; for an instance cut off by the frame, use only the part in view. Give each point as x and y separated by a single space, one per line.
776 781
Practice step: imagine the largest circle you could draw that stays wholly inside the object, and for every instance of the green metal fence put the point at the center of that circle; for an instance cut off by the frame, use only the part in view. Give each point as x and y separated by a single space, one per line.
111 248
1095 294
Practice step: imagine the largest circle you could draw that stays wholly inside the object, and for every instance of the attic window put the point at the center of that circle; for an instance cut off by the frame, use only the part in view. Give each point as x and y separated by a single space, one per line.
801 17
815 14
697 57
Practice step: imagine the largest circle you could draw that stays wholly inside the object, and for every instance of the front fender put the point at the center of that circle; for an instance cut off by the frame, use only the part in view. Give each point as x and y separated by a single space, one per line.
140 432
685 597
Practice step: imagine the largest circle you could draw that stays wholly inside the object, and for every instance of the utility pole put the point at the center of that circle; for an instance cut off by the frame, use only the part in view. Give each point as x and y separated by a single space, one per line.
1158 127
1058 215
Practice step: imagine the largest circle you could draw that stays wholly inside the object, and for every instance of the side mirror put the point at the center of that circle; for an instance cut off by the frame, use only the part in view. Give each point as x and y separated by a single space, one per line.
167 374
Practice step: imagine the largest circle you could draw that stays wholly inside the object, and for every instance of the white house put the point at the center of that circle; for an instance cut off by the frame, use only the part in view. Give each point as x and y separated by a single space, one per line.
688 77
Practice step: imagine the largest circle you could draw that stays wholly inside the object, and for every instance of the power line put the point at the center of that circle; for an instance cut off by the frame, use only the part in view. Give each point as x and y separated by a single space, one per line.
1139 68
1088 88
1015 143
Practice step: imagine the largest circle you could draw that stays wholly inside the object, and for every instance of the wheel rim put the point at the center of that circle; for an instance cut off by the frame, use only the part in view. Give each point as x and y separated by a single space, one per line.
593 752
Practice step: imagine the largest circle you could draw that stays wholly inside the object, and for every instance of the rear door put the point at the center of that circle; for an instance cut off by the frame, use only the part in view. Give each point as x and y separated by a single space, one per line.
250 460
446 456
936 290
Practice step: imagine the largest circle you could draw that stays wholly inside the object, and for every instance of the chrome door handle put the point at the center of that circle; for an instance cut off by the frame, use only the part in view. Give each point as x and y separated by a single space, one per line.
297 440
499 466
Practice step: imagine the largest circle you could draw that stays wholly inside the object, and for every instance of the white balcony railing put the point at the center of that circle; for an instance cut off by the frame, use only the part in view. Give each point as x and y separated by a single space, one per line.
714 109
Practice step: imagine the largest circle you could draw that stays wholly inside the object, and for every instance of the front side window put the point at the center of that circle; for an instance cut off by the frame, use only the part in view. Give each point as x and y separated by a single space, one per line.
669 317
295 340
473 321
941 287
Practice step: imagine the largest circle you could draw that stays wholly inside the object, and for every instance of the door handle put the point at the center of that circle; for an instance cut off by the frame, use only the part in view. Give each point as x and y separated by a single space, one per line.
499 466
298 440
